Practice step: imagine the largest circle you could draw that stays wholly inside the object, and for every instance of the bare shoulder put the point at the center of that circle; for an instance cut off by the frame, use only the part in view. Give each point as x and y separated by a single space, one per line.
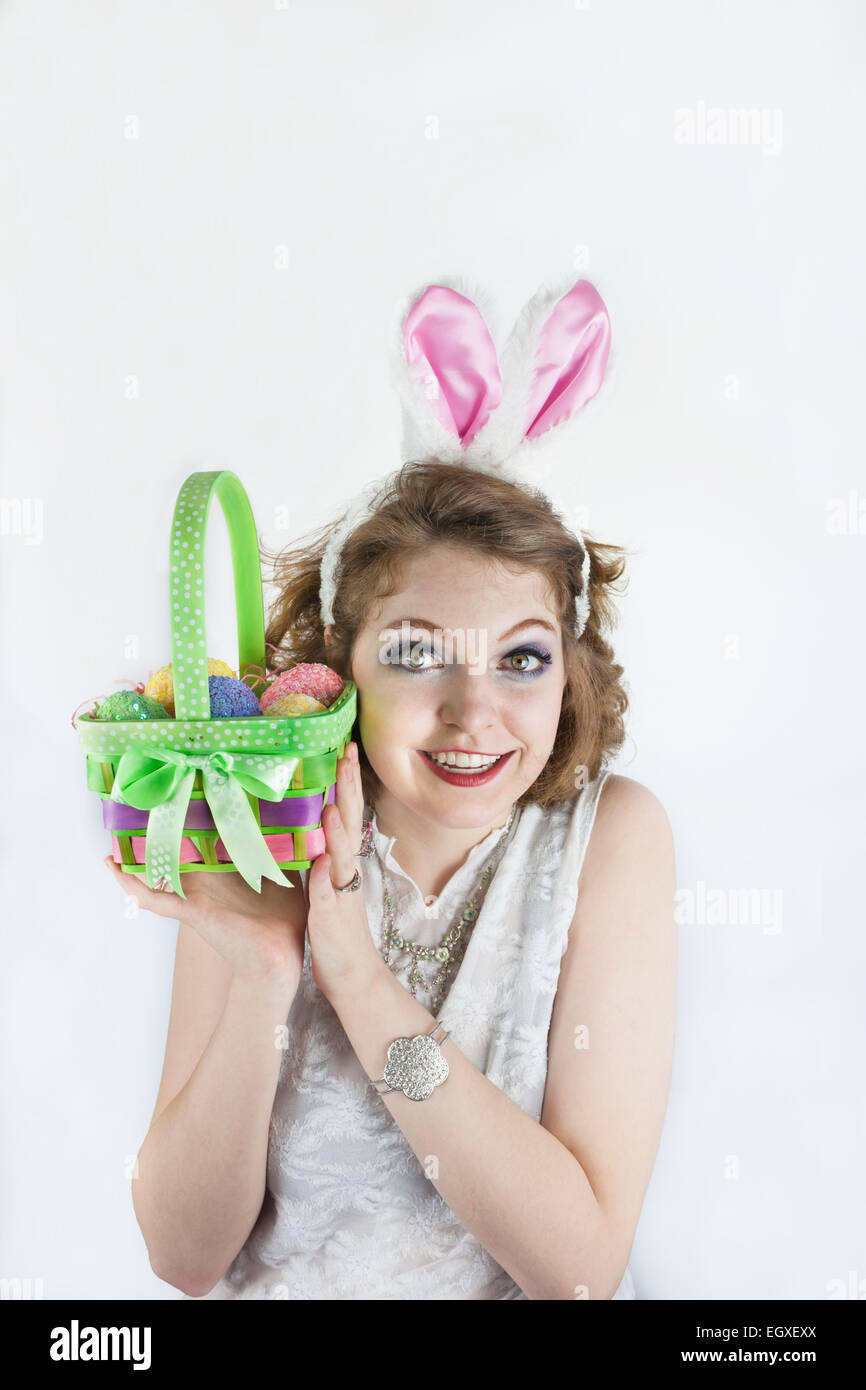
624 797
627 884
630 825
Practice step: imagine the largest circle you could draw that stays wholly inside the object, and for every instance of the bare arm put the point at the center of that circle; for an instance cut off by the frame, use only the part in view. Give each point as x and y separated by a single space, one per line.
202 1167
201 1170
611 1042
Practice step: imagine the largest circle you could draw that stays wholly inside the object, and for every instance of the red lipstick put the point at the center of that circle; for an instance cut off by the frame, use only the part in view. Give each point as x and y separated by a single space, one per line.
463 777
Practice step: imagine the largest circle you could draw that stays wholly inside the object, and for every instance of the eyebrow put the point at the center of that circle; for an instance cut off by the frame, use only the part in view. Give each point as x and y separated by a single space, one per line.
424 622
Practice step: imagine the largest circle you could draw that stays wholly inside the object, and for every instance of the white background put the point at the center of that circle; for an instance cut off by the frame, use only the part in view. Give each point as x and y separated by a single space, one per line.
219 205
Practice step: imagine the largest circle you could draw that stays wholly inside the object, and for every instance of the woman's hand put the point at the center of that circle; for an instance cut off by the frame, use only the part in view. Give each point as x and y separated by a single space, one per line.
341 947
261 935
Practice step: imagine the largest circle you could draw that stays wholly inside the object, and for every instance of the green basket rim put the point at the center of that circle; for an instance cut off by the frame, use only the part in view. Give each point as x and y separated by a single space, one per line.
280 722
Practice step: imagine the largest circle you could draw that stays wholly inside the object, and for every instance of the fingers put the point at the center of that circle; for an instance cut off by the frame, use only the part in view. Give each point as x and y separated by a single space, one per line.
340 854
342 821
350 797
135 886
357 786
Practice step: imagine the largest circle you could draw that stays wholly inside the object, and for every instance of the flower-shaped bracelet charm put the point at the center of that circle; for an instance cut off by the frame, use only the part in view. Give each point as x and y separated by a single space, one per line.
415 1065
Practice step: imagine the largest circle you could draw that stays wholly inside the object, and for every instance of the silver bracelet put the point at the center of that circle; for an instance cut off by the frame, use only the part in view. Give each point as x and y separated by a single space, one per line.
415 1065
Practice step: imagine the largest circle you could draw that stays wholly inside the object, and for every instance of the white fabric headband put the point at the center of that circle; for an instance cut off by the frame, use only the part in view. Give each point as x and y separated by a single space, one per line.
462 403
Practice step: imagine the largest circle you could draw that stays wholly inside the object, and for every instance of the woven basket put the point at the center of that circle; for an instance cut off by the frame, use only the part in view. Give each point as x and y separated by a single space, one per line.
183 795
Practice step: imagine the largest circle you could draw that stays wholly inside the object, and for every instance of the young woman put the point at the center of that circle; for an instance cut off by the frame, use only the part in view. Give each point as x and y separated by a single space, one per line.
526 906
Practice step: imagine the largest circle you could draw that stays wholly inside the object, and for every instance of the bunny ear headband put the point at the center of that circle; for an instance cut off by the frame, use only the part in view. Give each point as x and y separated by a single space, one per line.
463 403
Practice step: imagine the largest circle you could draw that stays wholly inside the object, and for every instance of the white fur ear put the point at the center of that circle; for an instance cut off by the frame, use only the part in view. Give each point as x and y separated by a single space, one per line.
424 436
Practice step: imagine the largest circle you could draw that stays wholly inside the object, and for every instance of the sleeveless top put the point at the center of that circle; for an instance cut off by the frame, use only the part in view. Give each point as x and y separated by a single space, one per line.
349 1212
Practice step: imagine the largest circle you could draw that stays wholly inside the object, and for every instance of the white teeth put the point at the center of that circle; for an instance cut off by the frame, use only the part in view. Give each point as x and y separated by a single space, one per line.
473 760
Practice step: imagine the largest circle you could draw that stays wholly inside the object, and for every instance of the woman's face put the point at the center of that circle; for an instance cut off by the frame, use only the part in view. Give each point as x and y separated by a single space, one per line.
489 681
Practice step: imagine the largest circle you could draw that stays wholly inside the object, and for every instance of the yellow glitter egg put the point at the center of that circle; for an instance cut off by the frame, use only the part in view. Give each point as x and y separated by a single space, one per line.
162 682
287 706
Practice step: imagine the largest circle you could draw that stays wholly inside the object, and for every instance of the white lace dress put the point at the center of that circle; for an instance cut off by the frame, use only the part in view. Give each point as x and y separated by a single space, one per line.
349 1212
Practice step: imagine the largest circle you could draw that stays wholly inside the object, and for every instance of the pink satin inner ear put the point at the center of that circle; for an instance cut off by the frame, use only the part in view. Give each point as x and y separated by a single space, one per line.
573 347
451 354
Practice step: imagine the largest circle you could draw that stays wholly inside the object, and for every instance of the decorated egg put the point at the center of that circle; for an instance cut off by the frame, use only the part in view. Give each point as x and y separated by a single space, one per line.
307 678
231 698
288 706
129 704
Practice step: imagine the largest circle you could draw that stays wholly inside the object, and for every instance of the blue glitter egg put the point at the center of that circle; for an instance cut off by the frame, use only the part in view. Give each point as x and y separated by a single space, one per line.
231 698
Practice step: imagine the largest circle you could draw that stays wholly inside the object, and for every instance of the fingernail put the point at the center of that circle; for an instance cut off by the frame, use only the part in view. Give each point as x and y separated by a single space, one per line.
338 819
349 772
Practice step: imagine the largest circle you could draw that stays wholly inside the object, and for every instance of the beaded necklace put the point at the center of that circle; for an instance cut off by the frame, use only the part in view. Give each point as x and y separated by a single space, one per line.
451 949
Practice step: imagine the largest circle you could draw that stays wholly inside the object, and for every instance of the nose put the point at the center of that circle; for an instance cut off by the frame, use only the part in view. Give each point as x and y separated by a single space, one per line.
468 702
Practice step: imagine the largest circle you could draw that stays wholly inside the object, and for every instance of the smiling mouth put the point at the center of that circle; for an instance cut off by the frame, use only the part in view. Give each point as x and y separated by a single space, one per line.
472 762
469 770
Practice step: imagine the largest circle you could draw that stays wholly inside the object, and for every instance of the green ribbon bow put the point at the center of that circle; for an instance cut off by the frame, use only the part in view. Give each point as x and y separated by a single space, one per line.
160 780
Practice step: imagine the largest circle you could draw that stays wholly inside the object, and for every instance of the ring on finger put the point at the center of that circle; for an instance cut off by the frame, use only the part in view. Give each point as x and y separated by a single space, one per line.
350 887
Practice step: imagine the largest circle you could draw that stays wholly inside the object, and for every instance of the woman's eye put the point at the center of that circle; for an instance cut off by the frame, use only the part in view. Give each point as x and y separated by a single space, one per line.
529 653
414 657
525 657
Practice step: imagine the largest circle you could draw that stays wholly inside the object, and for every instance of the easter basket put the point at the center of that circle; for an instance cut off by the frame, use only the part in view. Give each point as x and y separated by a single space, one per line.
196 793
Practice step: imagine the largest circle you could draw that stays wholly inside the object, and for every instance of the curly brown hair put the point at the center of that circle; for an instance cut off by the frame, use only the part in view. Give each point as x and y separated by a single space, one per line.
428 502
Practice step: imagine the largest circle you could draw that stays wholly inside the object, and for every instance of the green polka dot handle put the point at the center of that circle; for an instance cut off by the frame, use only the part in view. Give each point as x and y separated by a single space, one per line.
188 636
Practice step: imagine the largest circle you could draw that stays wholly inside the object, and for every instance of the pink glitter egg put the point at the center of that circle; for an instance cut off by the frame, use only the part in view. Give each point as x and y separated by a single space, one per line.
307 678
